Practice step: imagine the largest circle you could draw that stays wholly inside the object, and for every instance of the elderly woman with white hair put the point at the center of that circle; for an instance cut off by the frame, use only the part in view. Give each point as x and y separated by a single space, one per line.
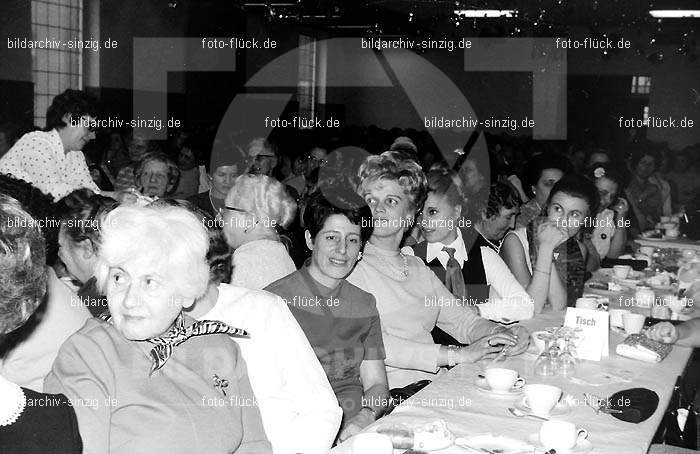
148 378
257 209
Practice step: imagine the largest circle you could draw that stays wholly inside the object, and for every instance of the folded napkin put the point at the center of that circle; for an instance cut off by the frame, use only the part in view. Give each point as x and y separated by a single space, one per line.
638 346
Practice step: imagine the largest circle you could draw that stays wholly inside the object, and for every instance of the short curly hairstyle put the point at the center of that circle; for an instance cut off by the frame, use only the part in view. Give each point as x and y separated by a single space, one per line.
74 102
318 209
22 265
501 195
397 166
173 170
264 197
80 213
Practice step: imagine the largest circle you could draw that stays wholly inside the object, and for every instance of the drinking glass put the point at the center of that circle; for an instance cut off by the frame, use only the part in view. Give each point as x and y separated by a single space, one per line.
567 361
546 365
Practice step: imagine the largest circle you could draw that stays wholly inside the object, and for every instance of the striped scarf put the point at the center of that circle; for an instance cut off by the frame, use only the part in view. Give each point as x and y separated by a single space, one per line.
178 334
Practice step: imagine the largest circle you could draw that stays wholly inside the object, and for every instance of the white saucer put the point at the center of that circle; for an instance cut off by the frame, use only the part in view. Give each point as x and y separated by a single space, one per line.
484 388
560 409
581 447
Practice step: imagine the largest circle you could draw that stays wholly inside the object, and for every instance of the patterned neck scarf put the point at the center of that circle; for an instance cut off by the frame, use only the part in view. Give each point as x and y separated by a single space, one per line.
178 334
568 262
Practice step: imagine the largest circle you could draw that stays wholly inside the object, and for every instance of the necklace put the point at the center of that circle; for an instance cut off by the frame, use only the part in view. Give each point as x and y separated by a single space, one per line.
495 247
402 274
14 402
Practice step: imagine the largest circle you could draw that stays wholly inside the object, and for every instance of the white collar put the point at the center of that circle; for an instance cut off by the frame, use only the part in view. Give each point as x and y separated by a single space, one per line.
435 251
12 402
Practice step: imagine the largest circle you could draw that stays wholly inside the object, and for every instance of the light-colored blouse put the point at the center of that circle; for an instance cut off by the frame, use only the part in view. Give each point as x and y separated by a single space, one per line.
409 308
297 404
183 407
259 263
28 362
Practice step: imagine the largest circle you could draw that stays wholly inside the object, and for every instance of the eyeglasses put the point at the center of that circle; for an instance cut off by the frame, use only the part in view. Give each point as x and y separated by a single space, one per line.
238 210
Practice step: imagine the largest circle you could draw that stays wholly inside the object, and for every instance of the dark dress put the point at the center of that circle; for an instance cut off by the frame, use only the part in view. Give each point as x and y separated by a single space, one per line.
47 424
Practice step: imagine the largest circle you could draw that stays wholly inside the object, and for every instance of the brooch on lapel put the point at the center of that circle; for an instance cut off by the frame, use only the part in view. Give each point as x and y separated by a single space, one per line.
220 383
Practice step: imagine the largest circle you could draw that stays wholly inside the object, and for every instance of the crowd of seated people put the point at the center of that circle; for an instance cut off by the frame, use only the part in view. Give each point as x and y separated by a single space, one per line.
243 296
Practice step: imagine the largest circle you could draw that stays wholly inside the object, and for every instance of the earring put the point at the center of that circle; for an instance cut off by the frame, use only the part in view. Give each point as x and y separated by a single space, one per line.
359 255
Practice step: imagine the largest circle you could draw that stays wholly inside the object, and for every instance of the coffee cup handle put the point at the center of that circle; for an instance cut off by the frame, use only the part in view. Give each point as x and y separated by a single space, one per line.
519 383
582 434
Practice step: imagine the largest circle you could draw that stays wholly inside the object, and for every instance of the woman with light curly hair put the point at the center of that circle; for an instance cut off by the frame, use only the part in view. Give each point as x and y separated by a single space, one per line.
410 298
147 377
258 208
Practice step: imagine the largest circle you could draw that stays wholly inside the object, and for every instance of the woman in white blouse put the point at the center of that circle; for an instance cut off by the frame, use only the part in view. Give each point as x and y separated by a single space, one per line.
298 407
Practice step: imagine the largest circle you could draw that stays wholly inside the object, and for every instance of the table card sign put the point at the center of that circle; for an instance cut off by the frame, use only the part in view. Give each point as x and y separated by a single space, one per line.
593 336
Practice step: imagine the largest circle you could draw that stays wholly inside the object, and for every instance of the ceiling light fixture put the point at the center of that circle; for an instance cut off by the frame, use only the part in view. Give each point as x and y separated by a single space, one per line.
476 13
674 13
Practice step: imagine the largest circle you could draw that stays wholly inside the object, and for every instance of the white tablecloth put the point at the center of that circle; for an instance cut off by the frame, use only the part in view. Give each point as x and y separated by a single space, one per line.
469 411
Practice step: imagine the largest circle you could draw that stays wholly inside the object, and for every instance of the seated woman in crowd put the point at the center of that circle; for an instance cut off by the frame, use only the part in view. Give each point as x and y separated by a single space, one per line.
27 428
297 405
188 185
149 377
465 257
79 240
609 236
138 147
540 174
545 256
222 170
257 208
157 176
344 327
648 195
410 298
27 354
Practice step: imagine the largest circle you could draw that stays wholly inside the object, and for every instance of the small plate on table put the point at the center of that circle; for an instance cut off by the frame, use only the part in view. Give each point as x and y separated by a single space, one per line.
492 443
483 386
560 409
582 446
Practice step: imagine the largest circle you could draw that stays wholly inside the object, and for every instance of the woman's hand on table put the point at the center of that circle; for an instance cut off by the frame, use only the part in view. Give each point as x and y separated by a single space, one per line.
663 332
523 340
487 345
355 424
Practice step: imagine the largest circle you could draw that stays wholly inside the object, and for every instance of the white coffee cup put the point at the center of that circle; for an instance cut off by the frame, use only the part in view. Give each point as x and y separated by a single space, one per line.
588 303
363 443
561 435
622 271
616 317
539 343
503 380
633 323
540 399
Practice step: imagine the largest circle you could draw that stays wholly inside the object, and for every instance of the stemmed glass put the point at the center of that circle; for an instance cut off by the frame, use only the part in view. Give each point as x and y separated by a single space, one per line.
567 361
546 364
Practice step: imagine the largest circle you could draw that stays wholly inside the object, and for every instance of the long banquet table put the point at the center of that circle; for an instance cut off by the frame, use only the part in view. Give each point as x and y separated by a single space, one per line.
469 412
